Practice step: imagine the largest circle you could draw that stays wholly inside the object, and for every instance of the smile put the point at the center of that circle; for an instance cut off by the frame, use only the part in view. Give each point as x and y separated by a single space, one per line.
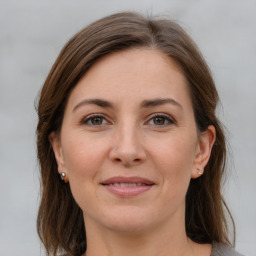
127 186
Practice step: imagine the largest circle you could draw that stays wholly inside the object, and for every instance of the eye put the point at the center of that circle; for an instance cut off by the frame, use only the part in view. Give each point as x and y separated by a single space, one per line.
161 120
95 120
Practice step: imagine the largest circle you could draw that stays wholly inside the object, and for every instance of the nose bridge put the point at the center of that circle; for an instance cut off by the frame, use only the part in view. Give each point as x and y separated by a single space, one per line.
127 135
127 145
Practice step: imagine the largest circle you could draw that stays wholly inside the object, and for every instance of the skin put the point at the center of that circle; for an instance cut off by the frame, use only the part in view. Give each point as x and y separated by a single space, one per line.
127 139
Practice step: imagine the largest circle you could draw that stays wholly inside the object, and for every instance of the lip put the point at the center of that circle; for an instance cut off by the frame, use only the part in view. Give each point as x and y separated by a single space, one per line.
127 186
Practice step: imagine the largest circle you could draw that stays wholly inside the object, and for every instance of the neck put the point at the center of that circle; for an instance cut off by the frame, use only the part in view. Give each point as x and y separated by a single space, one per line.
162 241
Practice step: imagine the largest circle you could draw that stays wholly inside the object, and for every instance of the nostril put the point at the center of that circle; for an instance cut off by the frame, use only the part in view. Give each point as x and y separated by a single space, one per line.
127 162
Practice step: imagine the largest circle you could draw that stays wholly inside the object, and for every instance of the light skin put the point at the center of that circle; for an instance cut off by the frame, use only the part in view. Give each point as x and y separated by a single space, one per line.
131 115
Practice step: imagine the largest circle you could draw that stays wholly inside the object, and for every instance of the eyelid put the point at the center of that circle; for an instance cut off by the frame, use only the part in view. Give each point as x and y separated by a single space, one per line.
170 119
84 120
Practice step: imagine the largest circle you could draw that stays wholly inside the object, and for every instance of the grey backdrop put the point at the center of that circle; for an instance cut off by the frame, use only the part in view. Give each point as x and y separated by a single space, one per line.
31 35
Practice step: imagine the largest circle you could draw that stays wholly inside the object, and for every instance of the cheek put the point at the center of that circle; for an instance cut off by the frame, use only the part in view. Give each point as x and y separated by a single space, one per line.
175 154
174 160
83 156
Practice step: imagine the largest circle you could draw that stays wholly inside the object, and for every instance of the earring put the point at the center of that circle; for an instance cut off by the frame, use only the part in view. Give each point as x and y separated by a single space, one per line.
199 172
64 177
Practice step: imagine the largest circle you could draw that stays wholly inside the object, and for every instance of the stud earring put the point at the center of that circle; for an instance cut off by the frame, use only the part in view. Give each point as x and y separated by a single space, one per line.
199 172
64 177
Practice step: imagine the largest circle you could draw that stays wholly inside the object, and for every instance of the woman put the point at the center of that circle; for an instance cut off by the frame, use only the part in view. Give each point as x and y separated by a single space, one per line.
131 152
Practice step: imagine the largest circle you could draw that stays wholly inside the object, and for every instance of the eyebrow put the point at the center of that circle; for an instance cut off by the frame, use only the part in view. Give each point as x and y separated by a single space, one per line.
144 104
98 102
159 102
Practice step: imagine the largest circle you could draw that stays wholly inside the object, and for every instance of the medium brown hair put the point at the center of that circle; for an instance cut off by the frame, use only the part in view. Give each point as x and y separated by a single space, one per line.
60 221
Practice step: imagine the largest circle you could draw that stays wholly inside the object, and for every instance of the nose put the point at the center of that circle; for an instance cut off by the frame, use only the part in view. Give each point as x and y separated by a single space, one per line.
127 147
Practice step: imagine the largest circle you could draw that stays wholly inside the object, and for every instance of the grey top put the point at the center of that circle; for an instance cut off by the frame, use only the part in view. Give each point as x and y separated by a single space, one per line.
219 249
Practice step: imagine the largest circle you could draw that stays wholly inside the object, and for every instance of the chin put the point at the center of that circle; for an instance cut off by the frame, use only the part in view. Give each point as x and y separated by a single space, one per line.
129 220
129 227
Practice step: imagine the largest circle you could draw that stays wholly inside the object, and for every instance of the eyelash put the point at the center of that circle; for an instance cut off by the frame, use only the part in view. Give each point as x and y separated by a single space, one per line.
163 116
85 121
91 117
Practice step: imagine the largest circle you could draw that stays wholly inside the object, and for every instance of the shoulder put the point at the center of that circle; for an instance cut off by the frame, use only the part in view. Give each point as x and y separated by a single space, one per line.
220 249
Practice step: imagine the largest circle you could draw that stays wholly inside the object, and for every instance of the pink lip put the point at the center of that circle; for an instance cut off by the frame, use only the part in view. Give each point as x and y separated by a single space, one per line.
127 186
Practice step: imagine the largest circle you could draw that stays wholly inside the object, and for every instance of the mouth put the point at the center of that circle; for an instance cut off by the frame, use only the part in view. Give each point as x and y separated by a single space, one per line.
127 186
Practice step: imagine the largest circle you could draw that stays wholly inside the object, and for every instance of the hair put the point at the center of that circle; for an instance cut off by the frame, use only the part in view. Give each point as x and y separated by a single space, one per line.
60 221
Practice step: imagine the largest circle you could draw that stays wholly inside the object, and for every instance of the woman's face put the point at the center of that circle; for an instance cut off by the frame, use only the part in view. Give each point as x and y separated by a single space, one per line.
129 143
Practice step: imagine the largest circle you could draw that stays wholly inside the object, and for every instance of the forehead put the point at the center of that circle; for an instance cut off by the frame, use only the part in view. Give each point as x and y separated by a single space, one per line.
132 74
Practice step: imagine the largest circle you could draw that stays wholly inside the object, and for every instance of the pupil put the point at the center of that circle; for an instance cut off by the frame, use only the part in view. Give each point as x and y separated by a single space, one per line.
97 120
159 120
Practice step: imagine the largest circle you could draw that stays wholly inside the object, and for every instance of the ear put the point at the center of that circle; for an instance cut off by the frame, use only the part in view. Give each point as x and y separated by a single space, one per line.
57 149
203 153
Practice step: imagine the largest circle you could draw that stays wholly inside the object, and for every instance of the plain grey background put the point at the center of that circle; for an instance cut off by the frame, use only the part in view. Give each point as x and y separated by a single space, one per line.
31 35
